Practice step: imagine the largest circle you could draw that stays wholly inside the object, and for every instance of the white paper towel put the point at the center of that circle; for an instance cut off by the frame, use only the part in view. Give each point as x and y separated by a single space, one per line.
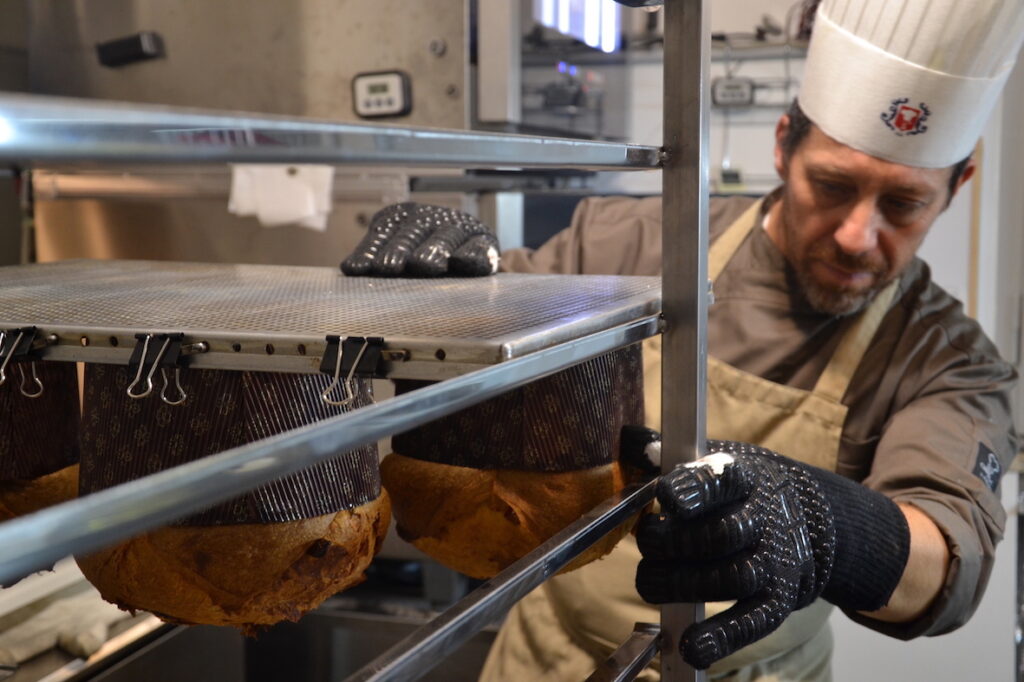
282 194
79 624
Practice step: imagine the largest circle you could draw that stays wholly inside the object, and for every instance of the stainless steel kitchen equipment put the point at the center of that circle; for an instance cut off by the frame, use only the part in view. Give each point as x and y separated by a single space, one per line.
279 318
66 130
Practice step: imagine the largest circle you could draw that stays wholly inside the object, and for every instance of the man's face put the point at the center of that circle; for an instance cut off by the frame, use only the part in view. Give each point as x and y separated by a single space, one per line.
850 223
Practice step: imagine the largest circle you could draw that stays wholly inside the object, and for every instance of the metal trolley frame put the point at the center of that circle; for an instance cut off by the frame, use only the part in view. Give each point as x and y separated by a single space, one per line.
39 129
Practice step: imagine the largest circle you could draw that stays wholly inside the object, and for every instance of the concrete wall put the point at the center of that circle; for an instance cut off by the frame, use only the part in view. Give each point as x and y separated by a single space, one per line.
13 77
13 44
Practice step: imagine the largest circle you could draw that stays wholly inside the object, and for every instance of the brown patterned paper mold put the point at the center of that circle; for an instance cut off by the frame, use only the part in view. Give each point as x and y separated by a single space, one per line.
39 418
481 488
263 557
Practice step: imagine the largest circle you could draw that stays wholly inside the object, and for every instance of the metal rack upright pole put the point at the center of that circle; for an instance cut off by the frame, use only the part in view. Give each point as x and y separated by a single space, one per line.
684 263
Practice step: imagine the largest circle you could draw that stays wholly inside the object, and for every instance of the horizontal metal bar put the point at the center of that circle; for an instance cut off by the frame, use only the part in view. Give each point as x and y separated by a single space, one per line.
632 657
535 181
741 52
197 182
278 362
88 523
35 128
418 653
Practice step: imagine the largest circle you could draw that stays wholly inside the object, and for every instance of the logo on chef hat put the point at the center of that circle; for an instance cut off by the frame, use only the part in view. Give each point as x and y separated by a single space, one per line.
904 119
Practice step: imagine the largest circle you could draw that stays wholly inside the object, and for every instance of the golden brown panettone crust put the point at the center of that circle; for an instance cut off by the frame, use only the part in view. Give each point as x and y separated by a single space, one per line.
18 498
478 521
248 575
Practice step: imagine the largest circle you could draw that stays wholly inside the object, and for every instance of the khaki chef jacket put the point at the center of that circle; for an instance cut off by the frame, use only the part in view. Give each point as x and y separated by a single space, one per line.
929 418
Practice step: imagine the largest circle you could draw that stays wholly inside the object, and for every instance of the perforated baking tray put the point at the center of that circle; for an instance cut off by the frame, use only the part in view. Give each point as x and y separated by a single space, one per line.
277 318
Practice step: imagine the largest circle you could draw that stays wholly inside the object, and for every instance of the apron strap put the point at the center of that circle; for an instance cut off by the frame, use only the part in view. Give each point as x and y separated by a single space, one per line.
722 251
834 381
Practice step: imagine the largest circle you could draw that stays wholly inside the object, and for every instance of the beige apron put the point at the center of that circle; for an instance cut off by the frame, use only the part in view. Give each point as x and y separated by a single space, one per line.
565 628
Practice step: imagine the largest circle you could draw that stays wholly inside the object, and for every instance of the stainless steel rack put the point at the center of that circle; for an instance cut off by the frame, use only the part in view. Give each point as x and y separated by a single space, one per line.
57 129
38 129
277 318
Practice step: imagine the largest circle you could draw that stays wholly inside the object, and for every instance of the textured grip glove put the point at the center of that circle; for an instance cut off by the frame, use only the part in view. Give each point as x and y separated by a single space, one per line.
774 534
417 240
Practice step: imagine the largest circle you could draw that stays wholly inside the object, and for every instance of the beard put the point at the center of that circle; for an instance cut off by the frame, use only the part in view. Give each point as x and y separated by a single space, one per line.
825 297
839 301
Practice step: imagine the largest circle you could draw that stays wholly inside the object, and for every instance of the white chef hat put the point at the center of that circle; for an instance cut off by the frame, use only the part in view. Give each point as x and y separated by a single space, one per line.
909 81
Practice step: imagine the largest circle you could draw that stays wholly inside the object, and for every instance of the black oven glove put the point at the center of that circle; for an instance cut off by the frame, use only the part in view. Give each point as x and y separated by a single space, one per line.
772 533
418 240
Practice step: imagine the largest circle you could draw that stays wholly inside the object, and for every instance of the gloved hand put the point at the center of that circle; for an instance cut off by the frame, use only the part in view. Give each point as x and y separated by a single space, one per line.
748 524
417 240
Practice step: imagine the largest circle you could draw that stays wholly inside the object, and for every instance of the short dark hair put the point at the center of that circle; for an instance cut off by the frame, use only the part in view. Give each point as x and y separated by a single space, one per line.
800 126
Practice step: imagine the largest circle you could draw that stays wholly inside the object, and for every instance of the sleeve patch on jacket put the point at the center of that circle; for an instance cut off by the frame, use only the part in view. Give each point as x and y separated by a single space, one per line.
988 467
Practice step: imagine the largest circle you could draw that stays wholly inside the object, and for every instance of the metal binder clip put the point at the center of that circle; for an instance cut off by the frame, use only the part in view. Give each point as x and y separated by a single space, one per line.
20 347
3 367
142 367
177 385
348 386
146 355
10 354
366 362
152 368
35 380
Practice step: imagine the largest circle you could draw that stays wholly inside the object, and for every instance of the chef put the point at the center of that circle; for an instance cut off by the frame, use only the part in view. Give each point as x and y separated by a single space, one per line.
830 345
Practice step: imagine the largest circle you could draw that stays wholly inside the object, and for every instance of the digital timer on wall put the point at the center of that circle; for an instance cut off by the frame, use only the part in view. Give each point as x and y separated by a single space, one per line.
381 93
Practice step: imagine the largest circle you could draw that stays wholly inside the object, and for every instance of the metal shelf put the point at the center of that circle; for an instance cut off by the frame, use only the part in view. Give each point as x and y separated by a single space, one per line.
277 318
117 513
422 650
744 51
43 129
56 129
